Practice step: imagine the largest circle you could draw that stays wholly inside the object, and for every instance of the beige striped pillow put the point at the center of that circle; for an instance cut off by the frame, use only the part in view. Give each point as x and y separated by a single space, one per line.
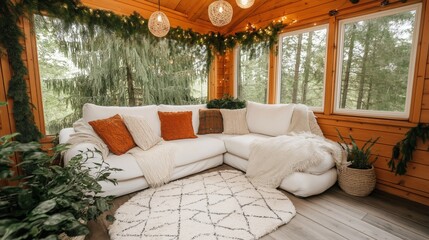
234 121
143 135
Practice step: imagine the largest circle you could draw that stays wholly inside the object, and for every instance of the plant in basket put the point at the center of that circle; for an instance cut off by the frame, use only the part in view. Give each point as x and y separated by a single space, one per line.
357 176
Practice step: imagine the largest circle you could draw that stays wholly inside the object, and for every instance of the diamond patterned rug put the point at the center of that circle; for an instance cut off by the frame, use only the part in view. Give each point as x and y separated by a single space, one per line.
216 205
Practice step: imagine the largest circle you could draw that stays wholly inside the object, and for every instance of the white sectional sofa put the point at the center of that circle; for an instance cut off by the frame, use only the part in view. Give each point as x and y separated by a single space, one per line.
193 155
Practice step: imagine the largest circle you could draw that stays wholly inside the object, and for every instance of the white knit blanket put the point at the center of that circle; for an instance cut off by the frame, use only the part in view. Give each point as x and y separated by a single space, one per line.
156 163
271 160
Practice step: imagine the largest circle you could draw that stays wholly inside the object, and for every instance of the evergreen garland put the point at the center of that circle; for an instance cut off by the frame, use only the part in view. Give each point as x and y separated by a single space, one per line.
10 34
71 11
402 152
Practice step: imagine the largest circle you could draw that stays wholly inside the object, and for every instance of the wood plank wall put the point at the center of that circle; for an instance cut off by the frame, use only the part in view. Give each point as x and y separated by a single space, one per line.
415 184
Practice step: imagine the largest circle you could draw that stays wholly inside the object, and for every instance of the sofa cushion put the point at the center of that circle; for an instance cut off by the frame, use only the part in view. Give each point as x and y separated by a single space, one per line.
211 121
197 149
93 112
183 108
269 119
240 145
142 133
176 125
114 134
234 121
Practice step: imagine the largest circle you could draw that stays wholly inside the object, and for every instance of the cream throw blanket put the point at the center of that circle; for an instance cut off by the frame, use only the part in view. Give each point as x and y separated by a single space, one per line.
271 160
157 163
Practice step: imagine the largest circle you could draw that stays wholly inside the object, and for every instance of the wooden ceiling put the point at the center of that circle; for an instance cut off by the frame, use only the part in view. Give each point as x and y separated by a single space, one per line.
194 13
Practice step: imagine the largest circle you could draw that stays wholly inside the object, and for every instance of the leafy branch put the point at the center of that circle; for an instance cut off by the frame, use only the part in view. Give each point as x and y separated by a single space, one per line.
49 199
402 152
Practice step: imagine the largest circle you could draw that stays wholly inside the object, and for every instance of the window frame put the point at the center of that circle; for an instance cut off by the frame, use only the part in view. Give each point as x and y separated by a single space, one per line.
236 73
279 62
411 71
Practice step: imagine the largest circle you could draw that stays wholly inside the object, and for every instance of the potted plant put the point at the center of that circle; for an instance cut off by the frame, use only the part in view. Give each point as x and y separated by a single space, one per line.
357 176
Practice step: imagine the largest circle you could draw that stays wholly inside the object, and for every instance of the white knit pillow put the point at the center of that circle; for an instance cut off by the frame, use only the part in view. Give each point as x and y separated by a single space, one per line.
142 133
234 121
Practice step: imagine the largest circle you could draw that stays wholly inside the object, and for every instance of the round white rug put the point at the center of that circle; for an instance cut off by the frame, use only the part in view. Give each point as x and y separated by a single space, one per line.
216 205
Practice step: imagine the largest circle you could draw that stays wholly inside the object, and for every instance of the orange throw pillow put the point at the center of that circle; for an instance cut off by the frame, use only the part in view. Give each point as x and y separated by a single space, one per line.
176 125
114 133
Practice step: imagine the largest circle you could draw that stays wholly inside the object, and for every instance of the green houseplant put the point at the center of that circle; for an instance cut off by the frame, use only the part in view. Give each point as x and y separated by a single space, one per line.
227 102
357 176
48 200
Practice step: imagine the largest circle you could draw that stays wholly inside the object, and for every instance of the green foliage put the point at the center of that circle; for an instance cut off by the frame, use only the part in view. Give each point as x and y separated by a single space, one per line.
10 34
252 79
49 199
358 157
227 102
303 67
376 61
402 152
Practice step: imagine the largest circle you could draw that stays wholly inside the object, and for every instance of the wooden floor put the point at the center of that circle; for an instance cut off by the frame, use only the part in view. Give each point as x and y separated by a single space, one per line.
334 215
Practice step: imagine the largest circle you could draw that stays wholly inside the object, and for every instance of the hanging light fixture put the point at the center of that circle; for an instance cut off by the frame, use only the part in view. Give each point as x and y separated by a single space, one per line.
158 22
220 13
245 3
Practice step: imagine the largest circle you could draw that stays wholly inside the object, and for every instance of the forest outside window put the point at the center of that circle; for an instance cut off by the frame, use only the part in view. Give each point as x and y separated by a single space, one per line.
80 66
251 73
302 65
377 55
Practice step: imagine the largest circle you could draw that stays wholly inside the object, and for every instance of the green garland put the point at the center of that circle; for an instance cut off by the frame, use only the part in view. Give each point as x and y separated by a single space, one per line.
71 11
403 150
10 34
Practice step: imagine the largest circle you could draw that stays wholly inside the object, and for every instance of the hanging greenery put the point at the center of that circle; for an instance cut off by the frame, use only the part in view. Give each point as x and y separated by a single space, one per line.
10 34
72 11
402 152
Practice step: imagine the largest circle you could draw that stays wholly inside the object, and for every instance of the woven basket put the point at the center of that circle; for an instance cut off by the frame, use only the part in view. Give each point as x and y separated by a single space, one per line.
357 182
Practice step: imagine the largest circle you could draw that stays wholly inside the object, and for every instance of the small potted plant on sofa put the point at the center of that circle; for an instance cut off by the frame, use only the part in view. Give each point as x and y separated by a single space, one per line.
357 176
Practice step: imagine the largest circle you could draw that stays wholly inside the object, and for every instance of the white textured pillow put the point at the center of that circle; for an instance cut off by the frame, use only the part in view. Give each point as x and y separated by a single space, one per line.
234 121
184 108
91 112
142 133
269 119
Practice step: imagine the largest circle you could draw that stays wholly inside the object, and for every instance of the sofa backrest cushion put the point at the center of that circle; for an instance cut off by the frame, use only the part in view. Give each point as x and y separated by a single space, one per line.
93 112
234 121
176 125
142 133
269 119
114 134
211 121
183 108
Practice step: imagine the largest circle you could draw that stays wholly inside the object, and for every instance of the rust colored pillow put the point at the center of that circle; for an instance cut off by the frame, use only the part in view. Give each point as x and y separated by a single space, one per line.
176 125
114 133
211 121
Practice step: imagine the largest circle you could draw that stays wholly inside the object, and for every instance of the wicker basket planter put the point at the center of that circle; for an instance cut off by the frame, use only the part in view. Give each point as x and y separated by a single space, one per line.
357 182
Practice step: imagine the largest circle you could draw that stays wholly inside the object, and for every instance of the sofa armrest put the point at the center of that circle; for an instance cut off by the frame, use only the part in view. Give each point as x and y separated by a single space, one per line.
64 135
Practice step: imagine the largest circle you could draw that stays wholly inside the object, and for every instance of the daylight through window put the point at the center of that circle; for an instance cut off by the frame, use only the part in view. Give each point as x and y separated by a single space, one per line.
377 53
252 74
302 67
80 66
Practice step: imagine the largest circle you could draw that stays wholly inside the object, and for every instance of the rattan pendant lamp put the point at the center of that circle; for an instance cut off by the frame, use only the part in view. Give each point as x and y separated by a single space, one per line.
159 25
220 13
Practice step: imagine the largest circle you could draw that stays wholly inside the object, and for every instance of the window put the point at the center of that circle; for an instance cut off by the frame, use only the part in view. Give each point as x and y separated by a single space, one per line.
252 74
301 69
376 60
82 65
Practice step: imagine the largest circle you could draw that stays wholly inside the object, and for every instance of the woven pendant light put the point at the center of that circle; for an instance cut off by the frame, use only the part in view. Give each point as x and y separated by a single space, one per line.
245 3
220 13
159 25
